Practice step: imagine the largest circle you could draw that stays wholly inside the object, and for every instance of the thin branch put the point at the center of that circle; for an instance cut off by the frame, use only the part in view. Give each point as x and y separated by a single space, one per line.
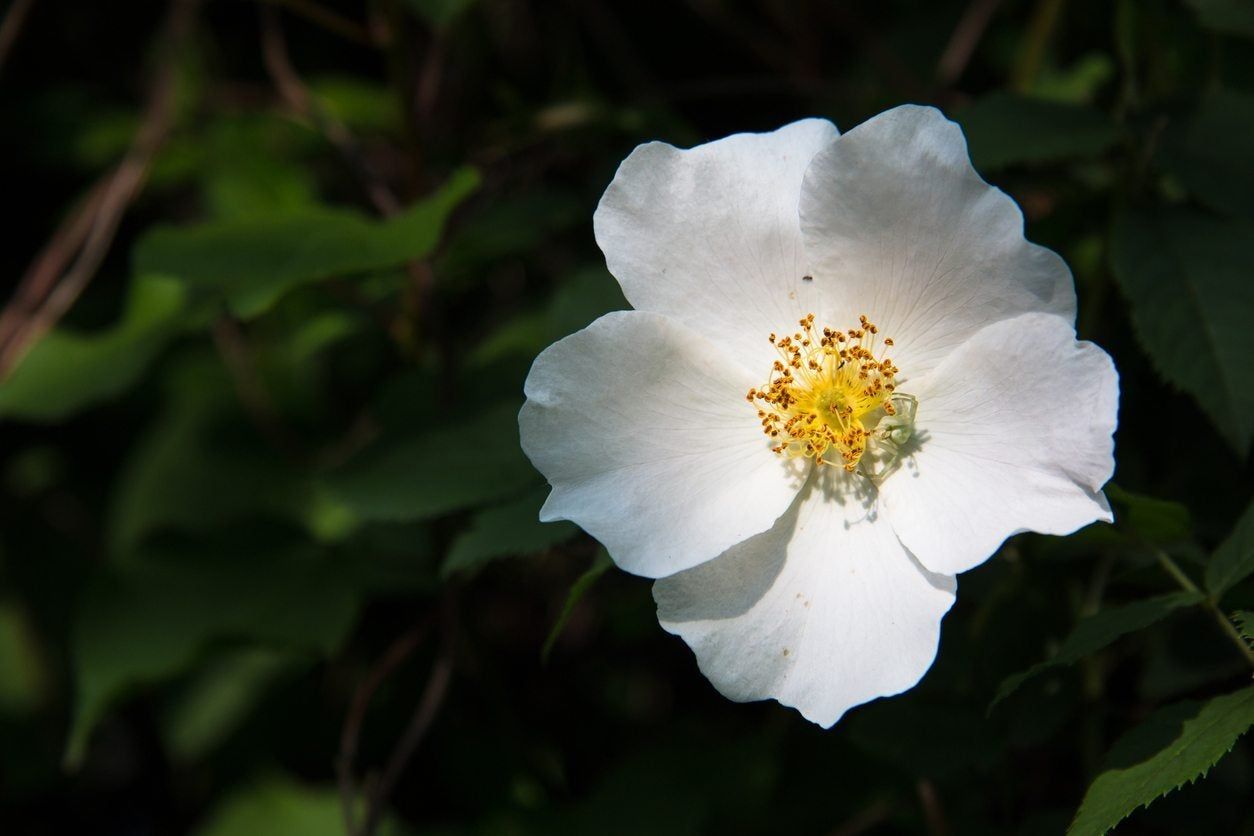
1032 54
11 26
962 43
1186 583
866 820
419 724
48 288
241 365
296 94
933 814
350 736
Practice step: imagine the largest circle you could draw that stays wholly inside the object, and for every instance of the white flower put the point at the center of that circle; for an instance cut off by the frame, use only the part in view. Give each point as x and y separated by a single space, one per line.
744 437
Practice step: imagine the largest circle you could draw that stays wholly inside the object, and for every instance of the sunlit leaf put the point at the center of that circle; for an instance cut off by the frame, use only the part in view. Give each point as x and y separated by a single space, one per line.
1174 747
65 371
1233 561
1005 130
504 530
467 463
600 564
255 261
1097 631
1188 279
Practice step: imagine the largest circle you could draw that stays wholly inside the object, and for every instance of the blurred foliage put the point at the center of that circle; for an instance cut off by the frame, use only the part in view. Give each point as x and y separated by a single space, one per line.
265 517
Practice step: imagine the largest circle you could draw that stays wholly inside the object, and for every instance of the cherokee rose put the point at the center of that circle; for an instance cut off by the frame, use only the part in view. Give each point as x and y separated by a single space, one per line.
847 378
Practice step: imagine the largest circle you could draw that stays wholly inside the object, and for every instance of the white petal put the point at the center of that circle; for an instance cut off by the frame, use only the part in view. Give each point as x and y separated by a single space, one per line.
898 226
1013 434
642 428
710 235
823 612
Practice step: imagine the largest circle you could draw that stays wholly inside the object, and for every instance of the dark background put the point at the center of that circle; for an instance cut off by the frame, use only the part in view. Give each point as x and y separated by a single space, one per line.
227 526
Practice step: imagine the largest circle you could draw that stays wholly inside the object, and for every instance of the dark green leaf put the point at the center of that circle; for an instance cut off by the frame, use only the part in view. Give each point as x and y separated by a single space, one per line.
23 672
254 166
1231 17
925 739
66 372
1174 747
465 464
439 13
1097 631
360 104
588 294
600 563
1155 520
1233 561
1244 619
199 466
151 621
510 227
510 529
1210 151
1188 279
1005 130
254 262
219 697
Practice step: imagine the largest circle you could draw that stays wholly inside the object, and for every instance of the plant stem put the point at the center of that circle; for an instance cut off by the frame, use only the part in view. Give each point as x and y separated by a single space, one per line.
1186 583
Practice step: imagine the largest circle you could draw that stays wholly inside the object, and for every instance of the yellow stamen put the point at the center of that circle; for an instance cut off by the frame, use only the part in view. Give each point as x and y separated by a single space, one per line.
827 393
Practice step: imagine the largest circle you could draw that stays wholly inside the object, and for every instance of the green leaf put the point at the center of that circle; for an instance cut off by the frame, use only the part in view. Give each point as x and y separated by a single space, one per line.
1233 561
600 563
1187 277
153 620
1244 619
440 13
66 372
1005 130
1231 17
360 104
1174 747
512 227
23 672
468 463
219 698
586 295
254 165
1096 631
504 530
276 806
1210 151
1155 520
199 466
253 262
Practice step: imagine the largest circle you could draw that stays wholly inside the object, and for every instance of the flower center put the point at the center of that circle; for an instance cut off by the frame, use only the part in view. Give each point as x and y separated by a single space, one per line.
832 398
